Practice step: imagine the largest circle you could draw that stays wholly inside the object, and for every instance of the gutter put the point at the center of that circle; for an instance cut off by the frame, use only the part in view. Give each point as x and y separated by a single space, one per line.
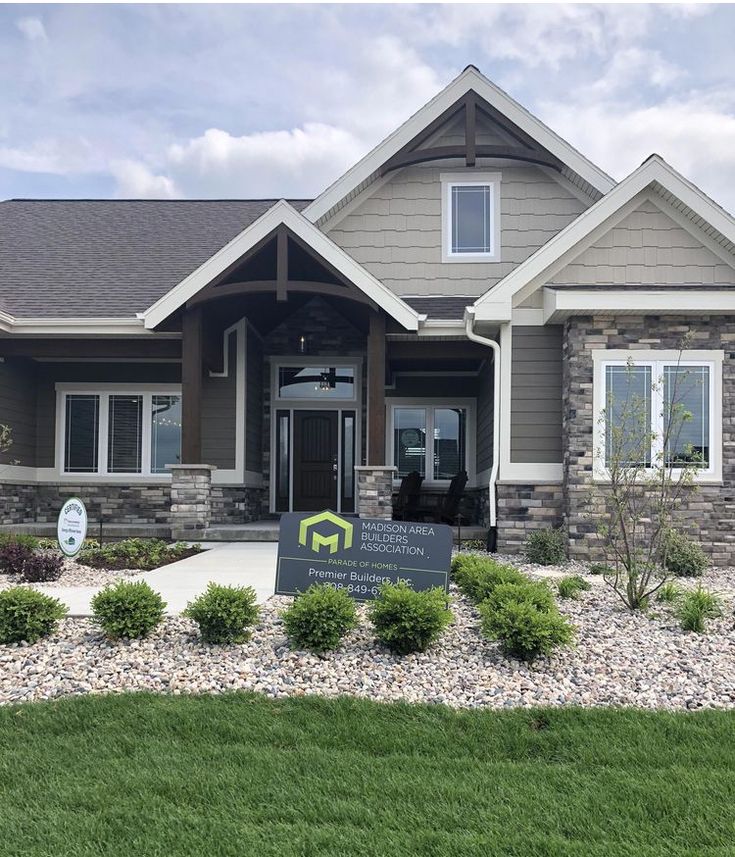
490 343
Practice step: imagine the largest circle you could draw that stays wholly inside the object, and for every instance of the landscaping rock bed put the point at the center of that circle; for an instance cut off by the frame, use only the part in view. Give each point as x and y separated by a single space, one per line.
75 574
619 659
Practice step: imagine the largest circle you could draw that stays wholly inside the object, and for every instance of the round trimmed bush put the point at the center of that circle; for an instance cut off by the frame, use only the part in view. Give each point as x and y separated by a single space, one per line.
224 614
537 594
409 621
524 631
684 557
41 568
477 576
571 585
128 609
546 547
26 615
319 618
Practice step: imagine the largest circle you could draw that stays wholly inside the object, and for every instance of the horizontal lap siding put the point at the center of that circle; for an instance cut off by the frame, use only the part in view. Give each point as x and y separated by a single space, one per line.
646 248
219 413
395 232
536 395
254 404
18 410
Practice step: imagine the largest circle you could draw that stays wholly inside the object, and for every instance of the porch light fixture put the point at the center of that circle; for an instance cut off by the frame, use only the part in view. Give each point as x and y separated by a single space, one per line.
303 344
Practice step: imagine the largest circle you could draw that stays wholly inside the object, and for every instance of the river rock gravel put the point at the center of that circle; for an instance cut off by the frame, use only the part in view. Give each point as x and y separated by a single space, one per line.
75 574
619 659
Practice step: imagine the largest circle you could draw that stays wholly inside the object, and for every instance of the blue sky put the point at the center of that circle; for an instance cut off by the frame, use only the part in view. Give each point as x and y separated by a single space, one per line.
253 101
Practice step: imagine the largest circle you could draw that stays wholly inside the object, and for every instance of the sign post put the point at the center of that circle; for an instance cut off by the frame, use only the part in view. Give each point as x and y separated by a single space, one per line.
71 528
360 554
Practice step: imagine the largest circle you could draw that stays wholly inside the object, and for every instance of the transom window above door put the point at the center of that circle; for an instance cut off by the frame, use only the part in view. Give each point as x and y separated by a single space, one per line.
321 382
471 217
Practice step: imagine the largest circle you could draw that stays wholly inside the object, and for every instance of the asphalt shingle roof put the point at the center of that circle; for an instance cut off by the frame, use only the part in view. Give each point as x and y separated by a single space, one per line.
444 307
109 258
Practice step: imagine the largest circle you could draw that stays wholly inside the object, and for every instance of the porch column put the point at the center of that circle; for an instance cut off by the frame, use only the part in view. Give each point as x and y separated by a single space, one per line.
376 390
191 386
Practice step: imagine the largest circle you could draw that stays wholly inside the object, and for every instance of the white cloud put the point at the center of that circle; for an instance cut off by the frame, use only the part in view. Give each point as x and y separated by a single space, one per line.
136 181
32 28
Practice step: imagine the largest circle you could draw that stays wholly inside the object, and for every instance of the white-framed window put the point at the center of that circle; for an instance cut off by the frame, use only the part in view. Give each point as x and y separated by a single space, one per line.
434 437
643 393
315 380
470 217
120 430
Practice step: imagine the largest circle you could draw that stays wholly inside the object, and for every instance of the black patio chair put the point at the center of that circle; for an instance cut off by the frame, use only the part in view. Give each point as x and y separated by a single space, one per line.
446 511
407 501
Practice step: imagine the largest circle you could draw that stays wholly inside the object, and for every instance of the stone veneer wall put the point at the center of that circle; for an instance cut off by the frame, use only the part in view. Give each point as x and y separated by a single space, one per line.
117 504
523 508
375 491
708 513
236 505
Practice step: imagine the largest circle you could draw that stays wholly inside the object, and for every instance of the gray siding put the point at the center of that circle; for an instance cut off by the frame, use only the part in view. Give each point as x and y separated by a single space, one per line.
18 410
49 374
484 442
647 248
219 413
254 404
395 232
536 394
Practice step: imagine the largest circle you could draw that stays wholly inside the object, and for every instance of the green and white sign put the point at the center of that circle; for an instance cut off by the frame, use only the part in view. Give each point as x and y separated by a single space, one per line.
71 528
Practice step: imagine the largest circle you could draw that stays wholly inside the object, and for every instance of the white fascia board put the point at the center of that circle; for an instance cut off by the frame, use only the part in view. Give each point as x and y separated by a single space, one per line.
77 327
497 311
470 79
655 169
282 214
560 303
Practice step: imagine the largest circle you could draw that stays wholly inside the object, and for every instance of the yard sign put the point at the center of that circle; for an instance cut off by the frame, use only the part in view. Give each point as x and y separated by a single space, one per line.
359 554
71 528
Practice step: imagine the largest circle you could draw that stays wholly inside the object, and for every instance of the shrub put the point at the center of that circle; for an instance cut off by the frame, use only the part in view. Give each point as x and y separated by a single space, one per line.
27 615
409 621
546 547
13 557
523 630
684 557
571 585
144 554
224 613
31 542
668 592
600 568
128 609
40 568
531 592
319 618
695 607
477 576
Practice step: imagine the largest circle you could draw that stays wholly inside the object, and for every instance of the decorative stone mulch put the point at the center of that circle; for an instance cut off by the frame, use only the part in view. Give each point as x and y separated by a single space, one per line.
619 659
75 574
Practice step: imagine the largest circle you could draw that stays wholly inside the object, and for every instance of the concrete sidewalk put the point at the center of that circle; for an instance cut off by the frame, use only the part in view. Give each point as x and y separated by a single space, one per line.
235 564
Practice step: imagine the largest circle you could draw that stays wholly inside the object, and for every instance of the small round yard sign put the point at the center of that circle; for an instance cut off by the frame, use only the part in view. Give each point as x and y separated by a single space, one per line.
71 529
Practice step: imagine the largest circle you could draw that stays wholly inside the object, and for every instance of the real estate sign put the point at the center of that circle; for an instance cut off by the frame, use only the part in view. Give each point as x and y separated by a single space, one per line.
71 528
359 554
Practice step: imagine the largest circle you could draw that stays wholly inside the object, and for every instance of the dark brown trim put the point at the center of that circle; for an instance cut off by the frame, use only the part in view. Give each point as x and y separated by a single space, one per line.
416 350
191 387
442 153
135 349
376 390
281 265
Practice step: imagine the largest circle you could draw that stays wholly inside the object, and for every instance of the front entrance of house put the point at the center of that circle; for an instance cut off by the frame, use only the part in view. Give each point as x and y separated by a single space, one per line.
315 460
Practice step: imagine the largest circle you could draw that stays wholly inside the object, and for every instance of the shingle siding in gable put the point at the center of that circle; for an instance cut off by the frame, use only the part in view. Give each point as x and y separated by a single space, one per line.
647 248
396 231
536 395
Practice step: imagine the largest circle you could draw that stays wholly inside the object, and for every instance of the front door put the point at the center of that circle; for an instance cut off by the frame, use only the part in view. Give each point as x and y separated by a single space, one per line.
315 451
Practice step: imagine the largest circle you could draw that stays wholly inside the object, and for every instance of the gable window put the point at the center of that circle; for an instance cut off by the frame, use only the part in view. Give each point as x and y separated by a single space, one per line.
471 216
128 431
431 439
660 408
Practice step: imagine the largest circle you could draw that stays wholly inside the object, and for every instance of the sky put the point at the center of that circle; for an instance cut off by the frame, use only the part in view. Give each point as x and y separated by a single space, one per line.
258 101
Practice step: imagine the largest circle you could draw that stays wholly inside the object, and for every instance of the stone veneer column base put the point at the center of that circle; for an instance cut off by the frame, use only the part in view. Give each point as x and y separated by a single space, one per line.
375 491
524 508
191 506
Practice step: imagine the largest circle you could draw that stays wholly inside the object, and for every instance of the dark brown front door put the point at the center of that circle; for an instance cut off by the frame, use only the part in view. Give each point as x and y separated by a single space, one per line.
314 460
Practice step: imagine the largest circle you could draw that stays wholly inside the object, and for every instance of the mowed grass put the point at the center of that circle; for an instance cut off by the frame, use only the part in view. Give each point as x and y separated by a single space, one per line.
142 775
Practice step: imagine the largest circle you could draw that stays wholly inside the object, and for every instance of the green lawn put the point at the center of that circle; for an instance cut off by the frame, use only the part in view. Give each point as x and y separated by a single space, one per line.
241 775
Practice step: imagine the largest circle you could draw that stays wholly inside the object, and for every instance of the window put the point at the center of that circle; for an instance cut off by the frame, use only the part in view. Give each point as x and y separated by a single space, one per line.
121 432
316 382
471 214
664 407
431 440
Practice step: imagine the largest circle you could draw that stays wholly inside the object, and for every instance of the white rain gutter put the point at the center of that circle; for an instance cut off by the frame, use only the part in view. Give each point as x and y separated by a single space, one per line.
490 343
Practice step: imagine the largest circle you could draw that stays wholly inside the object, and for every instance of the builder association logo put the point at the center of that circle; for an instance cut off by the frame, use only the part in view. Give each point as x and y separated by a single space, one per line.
315 539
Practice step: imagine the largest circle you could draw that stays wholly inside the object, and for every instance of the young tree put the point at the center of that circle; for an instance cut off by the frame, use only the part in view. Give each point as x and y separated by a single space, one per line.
6 438
649 472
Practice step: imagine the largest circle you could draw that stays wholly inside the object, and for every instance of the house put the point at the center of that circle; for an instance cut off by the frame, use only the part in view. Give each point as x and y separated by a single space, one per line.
460 299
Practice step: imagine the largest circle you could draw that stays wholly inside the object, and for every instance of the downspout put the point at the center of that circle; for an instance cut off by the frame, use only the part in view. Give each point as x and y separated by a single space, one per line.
490 343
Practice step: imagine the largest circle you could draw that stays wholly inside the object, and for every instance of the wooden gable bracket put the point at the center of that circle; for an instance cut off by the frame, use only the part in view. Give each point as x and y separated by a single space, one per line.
527 150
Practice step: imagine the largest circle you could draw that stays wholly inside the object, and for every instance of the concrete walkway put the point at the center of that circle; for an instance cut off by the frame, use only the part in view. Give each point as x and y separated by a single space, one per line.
234 564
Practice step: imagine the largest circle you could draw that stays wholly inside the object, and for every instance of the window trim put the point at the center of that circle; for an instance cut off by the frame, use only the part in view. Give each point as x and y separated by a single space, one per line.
429 404
147 391
470 179
657 359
